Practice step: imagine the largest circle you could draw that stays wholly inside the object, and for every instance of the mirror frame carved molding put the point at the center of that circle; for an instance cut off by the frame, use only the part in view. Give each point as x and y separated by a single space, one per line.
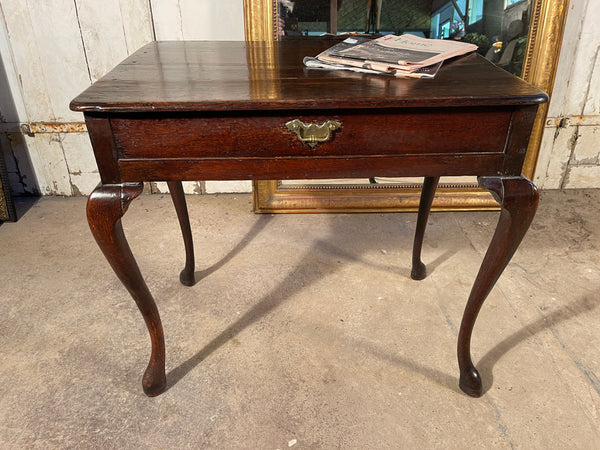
539 68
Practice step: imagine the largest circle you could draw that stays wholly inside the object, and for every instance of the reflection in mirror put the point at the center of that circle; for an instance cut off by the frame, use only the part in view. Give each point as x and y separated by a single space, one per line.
499 27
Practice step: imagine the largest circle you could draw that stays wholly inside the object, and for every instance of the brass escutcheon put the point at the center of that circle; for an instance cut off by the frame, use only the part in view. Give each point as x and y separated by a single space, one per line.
313 134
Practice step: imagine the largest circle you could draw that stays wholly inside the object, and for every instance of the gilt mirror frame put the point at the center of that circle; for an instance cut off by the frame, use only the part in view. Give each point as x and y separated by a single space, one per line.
539 68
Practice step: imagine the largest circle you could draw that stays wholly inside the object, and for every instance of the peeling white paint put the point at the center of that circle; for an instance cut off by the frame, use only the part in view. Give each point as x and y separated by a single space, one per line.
587 150
48 161
582 177
556 150
84 183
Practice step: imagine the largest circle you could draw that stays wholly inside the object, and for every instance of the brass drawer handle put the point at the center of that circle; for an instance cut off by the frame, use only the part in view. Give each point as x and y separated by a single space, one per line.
313 134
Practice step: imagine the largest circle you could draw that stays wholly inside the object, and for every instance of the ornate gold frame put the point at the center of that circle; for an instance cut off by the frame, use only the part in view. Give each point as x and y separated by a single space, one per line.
545 37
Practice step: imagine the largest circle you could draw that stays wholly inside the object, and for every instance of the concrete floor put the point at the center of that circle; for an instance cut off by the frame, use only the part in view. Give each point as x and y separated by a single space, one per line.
306 331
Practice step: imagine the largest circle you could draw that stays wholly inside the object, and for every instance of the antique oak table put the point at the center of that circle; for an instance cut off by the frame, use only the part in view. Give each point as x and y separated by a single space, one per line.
176 111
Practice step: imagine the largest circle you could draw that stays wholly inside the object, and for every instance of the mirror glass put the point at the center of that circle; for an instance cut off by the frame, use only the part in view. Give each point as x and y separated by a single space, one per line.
499 27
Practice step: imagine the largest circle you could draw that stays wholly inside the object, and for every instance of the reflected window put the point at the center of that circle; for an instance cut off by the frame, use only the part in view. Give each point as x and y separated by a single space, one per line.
475 10
498 27
448 21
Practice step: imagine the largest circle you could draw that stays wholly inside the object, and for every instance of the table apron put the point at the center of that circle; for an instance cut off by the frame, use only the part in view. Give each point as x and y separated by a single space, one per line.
483 141
172 169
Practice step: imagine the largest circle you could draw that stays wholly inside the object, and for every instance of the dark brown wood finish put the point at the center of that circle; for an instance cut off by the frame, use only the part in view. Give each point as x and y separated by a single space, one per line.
105 207
519 199
103 143
177 136
419 271
186 276
176 111
259 76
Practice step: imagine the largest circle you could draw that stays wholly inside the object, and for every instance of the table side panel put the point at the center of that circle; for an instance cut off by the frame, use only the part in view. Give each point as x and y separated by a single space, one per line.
103 143
518 139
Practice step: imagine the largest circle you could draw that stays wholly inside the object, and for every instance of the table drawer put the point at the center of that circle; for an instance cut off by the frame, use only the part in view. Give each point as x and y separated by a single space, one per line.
364 133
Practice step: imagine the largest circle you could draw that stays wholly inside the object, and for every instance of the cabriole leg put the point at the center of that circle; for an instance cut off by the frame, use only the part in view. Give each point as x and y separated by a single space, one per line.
105 207
187 274
419 271
519 198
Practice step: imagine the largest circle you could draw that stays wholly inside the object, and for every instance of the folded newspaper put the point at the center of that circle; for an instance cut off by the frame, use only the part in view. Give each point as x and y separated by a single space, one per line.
402 56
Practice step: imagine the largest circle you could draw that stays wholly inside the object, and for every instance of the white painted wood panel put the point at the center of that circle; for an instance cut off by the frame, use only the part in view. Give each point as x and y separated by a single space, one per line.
111 30
198 20
57 36
207 19
214 187
12 107
592 101
577 59
554 157
568 155
26 60
100 24
582 177
168 24
48 161
136 20
586 149
585 59
80 161
569 47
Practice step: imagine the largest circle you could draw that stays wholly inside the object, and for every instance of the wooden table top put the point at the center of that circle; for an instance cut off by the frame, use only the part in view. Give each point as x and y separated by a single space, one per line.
243 76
